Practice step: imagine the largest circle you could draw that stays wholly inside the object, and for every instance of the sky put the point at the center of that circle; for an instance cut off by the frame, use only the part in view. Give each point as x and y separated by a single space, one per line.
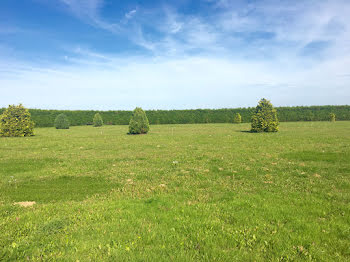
116 55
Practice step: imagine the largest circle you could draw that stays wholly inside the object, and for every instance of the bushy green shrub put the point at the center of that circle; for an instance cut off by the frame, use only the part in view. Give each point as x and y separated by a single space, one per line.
97 120
139 122
264 118
332 117
237 119
16 121
61 122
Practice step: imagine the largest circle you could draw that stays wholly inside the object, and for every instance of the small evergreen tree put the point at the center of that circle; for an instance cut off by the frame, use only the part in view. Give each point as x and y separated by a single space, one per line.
264 118
237 119
61 122
97 120
332 117
16 121
139 122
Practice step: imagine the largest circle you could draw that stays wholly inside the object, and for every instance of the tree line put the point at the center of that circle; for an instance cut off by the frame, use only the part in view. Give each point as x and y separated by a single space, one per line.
46 118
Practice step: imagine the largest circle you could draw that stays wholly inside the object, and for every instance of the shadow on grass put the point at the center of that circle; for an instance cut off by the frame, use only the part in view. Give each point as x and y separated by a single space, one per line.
252 132
246 131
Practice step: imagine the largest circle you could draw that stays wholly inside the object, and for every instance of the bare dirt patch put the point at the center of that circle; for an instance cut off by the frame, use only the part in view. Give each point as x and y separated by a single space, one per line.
25 204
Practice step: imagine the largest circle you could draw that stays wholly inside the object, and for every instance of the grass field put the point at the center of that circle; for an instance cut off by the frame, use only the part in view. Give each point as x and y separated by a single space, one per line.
209 192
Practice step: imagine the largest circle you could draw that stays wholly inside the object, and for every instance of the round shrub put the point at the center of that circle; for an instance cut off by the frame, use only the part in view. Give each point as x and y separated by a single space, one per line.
264 118
139 122
332 117
16 121
237 119
97 120
61 122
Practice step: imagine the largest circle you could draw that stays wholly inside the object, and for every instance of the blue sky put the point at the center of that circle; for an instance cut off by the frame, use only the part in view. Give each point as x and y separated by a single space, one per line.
106 54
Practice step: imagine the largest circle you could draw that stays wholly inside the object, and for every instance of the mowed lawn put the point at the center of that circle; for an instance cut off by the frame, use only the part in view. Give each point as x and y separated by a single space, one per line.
211 192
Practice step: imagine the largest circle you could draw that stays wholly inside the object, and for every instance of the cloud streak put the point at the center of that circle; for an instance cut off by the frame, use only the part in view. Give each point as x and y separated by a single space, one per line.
266 27
188 82
130 14
89 12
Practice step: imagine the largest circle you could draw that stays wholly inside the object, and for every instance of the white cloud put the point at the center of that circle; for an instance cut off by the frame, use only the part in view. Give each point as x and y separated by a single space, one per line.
197 61
89 12
188 82
292 25
130 14
84 8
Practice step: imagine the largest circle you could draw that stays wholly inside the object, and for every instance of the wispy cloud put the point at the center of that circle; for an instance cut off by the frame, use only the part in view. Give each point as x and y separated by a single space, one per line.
89 12
84 8
189 82
267 26
130 14
295 53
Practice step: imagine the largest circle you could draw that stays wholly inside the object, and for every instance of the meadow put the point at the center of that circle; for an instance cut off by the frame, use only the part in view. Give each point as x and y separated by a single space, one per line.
208 192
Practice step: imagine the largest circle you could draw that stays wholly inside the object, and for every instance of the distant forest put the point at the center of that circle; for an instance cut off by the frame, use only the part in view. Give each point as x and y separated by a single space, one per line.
45 118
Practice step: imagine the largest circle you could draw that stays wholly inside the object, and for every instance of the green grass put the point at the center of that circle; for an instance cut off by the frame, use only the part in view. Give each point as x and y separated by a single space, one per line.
180 193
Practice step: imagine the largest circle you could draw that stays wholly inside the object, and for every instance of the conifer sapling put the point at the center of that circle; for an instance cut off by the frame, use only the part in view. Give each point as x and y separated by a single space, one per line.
139 122
61 122
264 118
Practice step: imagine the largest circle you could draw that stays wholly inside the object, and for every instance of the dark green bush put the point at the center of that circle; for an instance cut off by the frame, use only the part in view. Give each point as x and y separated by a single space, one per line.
332 117
264 118
16 121
139 122
61 122
97 120
237 119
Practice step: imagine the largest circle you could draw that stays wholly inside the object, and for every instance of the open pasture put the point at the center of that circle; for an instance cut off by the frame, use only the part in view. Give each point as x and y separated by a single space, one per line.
211 192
